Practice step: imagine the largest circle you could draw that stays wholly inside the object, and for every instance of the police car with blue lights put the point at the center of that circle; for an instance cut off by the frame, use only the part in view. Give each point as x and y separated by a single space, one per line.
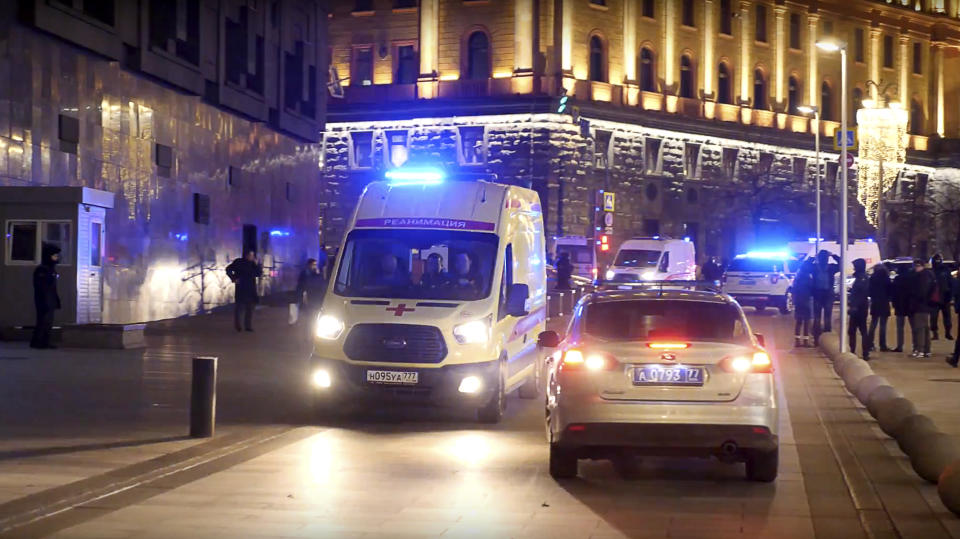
436 298
762 279
666 368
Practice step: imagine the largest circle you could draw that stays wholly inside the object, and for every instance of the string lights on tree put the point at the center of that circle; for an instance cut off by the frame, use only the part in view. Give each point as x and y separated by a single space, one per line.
883 138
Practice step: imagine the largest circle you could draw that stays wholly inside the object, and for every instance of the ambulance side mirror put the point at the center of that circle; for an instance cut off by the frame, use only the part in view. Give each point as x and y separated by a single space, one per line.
760 340
517 296
548 339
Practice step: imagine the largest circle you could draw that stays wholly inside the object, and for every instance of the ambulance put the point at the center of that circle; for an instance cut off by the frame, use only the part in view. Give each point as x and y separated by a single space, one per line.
654 259
436 298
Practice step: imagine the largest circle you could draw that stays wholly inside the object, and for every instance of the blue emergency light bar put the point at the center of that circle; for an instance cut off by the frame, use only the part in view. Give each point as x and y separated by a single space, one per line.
768 254
426 176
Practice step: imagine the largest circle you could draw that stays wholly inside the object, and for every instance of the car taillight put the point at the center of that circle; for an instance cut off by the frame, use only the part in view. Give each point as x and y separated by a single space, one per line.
574 359
759 361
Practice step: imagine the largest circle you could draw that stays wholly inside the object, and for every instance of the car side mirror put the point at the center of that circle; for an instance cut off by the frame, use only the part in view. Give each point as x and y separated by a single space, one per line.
517 296
760 339
548 339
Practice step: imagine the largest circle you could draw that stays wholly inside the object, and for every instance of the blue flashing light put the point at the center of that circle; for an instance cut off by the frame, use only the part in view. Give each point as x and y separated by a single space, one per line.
657 237
869 240
686 239
280 233
426 176
181 237
768 254
813 240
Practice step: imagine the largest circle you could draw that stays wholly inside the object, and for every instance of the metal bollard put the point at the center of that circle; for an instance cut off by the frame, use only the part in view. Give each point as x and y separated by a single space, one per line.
203 397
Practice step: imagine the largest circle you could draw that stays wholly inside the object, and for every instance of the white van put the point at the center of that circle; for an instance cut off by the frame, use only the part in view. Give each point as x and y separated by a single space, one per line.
653 259
394 330
583 254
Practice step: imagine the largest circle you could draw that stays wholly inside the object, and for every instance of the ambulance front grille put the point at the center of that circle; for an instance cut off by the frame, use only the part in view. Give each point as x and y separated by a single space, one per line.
395 343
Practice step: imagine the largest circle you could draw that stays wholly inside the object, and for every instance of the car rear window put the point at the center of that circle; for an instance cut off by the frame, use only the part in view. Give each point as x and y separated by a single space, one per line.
756 265
654 319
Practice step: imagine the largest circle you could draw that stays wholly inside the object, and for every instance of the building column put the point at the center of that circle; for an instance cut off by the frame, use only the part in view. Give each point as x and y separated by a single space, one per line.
669 59
780 13
631 89
746 45
429 48
566 36
813 84
938 47
707 65
523 40
903 86
875 55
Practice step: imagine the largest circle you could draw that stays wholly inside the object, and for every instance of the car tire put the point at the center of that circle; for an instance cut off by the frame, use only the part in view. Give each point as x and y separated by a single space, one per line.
760 307
762 466
531 387
492 412
563 462
786 304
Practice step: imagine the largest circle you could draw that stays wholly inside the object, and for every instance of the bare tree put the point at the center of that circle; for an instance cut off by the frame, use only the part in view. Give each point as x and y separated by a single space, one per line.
944 204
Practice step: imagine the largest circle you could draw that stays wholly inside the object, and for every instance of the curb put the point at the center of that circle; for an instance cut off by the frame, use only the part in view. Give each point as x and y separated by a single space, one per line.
933 455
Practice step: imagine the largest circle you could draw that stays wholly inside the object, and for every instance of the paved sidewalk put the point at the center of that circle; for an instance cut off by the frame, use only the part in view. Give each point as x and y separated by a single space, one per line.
71 414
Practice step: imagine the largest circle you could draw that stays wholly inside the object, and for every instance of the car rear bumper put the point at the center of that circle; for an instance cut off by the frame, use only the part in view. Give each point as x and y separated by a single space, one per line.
438 386
668 439
755 299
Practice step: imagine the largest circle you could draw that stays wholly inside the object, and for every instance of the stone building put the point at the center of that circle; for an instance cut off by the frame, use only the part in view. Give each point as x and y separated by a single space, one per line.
687 110
200 117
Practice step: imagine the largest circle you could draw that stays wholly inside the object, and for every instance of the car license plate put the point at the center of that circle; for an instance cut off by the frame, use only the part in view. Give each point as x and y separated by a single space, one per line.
393 377
668 376
748 282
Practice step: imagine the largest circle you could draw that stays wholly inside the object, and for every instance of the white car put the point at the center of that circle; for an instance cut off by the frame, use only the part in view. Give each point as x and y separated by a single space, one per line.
662 371
654 259
761 280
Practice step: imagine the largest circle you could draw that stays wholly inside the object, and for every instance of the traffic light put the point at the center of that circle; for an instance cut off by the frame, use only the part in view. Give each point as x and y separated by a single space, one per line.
562 105
604 243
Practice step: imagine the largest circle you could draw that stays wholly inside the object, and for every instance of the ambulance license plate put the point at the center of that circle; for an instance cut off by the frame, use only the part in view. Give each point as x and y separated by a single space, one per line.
393 377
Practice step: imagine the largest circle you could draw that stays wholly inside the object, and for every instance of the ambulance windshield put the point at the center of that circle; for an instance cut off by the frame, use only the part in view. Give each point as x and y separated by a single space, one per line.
417 264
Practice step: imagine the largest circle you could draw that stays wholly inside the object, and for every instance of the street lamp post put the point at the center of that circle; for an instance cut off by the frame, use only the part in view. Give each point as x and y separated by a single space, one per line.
811 109
834 46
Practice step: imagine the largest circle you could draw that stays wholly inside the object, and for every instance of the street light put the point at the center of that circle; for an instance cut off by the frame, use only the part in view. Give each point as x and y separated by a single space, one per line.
834 46
812 109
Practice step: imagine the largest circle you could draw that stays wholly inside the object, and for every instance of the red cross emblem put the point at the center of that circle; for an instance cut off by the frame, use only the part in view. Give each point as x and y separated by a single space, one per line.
400 309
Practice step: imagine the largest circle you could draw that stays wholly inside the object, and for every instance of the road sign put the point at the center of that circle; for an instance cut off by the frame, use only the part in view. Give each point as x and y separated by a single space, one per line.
608 220
851 139
609 201
849 160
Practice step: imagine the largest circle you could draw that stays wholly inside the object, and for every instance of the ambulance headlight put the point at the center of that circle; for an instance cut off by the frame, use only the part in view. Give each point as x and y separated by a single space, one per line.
649 275
328 327
321 379
475 332
610 275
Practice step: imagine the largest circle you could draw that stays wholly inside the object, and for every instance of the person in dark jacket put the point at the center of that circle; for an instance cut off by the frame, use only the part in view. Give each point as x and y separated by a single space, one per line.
953 359
244 273
46 300
859 307
880 291
564 271
922 288
711 271
824 273
311 286
900 297
802 291
942 307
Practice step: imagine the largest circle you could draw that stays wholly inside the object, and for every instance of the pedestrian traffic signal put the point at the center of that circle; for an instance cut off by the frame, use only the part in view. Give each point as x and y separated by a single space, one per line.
562 106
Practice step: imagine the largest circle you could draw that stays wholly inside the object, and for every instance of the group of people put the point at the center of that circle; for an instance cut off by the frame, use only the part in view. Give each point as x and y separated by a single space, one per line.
920 297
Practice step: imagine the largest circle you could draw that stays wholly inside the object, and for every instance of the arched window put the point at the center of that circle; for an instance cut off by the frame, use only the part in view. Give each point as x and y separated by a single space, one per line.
598 64
759 90
916 117
478 56
724 84
793 95
686 77
648 81
857 104
826 102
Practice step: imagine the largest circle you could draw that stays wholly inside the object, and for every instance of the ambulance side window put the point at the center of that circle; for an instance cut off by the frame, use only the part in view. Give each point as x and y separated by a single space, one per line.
664 262
506 281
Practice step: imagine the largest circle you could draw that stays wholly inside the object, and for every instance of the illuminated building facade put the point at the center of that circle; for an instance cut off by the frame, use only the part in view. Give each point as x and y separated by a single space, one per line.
687 110
200 117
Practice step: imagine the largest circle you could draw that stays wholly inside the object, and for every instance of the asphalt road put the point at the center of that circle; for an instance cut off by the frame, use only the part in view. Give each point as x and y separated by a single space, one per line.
400 474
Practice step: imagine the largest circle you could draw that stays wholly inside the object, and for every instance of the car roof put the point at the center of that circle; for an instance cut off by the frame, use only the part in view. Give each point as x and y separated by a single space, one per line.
705 296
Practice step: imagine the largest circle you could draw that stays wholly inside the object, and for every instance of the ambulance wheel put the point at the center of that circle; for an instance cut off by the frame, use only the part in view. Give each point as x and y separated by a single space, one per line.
786 303
492 412
760 307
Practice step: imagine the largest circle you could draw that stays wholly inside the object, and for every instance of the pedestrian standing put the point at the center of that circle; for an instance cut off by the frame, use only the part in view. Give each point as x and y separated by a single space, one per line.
711 271
901 303
244 273
859 306
924 296
942 308
955 293
311 286
323 262
564 271
824 272
802 291
45 296
880 291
